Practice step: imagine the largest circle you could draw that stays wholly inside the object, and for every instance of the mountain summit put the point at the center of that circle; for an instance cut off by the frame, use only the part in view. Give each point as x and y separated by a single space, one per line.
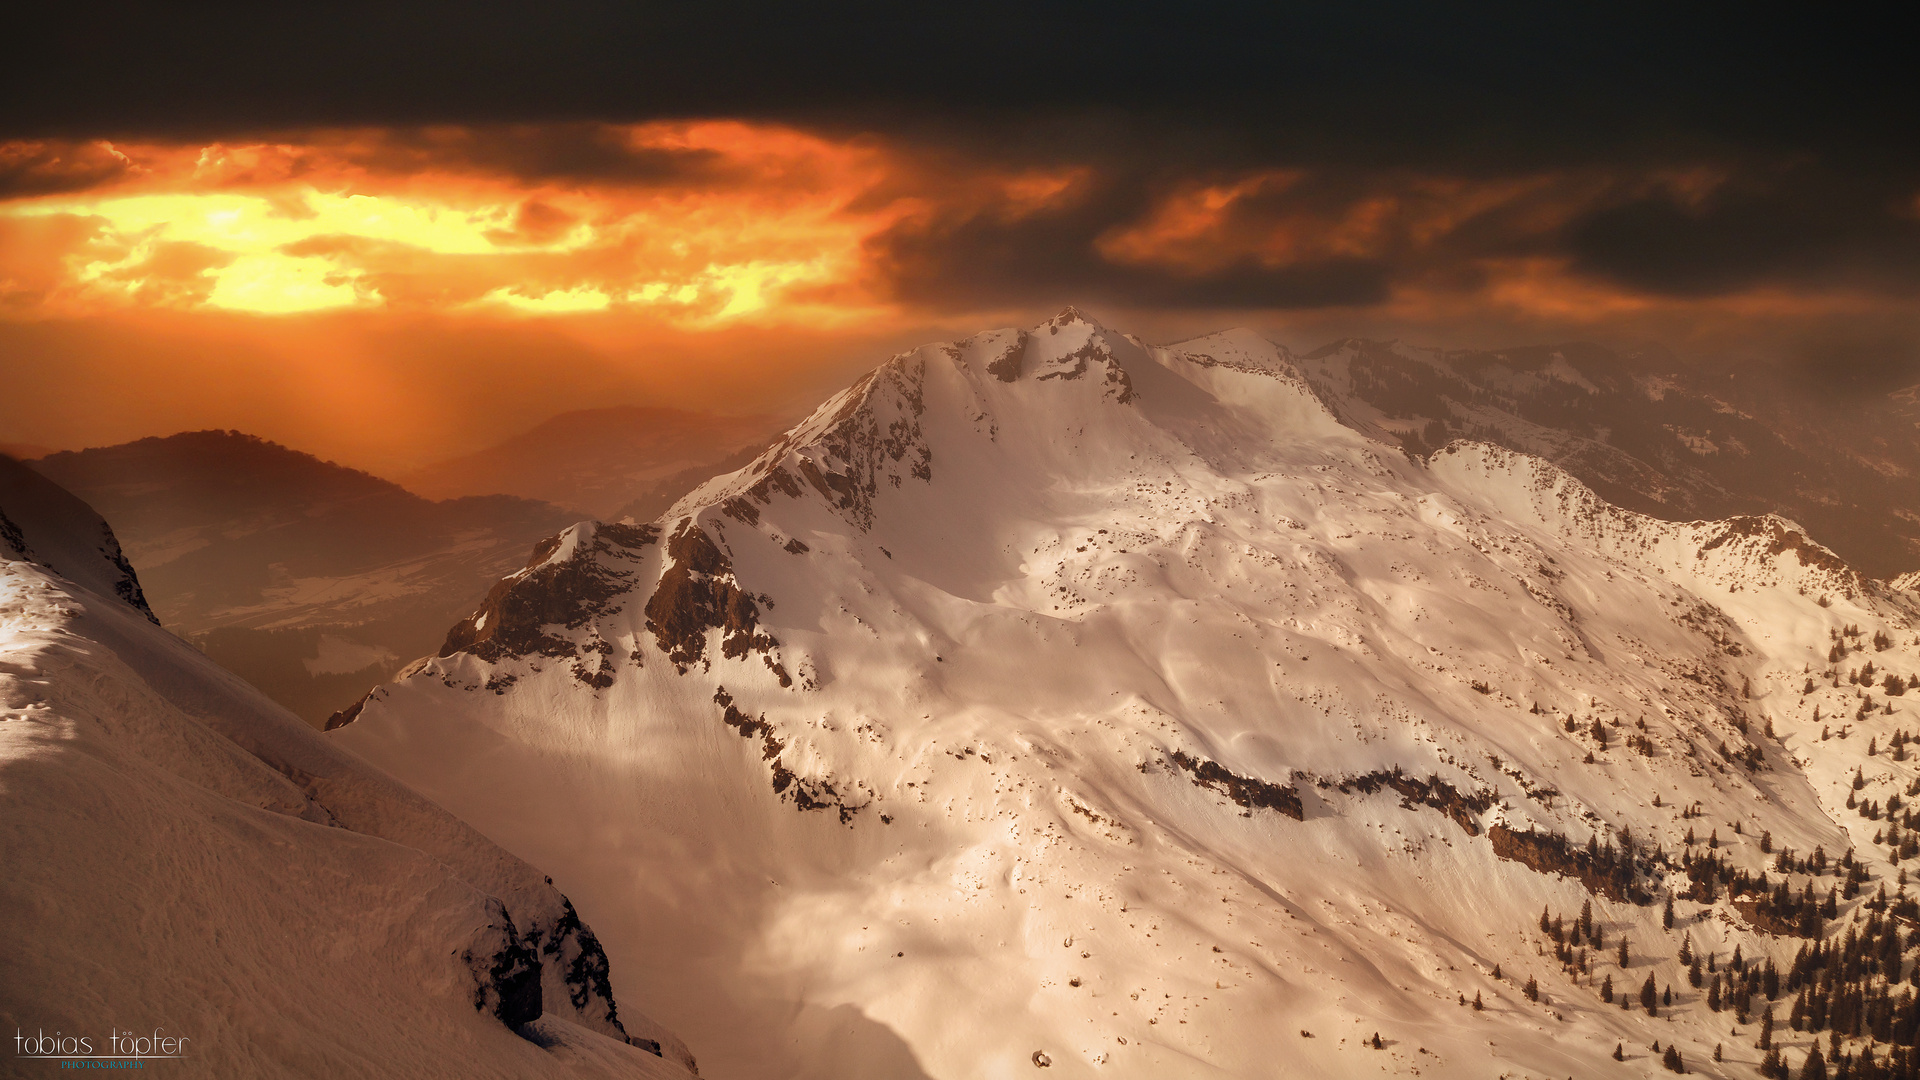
1049 698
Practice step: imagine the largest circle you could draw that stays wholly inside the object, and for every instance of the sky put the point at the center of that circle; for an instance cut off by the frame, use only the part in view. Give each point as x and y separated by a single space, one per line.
389 236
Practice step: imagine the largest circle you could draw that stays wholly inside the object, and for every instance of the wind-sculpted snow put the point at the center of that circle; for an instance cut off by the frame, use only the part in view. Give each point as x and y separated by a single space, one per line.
177 851
1162 719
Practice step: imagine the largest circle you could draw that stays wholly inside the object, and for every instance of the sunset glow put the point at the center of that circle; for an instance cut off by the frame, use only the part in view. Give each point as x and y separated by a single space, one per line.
286 229
331 284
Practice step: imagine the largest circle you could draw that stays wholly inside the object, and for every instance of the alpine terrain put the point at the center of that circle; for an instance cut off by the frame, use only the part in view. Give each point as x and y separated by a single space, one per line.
183 860
1047 700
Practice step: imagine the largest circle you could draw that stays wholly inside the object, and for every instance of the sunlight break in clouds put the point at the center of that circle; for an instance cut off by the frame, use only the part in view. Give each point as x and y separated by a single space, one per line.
277 229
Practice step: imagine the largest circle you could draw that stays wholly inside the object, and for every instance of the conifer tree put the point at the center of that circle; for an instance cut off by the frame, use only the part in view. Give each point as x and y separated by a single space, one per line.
1606 990
1623 950
1666 917
1477 1005
1766 1031
1619 1051
1649 995
1815 1067
1533 989
1672 1060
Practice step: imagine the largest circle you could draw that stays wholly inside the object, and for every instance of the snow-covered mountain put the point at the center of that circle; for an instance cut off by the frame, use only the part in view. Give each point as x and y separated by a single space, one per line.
1646 432
179 854
1049 699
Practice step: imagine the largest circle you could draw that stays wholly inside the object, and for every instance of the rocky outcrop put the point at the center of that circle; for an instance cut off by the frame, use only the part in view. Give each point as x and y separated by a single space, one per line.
866 436
506 971
567 591
1244 790
1464 809
1781 536
806 793
572 947
697 593
1006 366
1604 871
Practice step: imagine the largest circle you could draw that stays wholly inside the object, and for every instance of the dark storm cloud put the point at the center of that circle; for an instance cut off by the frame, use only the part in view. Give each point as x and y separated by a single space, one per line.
1799 227
1360 79
1576 111
973 257
573 151
983 263
53 166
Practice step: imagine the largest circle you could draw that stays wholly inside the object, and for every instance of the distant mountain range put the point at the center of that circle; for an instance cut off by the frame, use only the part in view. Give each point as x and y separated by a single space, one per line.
599 460
305 577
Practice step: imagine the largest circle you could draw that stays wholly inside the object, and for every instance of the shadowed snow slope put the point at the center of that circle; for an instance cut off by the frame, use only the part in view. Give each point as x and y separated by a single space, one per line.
1050 694
178 852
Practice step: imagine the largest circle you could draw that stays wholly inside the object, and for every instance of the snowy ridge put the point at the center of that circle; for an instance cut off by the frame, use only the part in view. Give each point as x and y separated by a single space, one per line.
181 852
1735 552
67 537
1050 693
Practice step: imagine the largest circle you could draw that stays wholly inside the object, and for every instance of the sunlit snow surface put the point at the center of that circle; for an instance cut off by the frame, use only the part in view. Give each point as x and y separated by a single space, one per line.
1049 578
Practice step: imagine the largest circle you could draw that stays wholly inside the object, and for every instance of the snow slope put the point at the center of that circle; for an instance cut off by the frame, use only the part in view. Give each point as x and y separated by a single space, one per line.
1048 698
178 852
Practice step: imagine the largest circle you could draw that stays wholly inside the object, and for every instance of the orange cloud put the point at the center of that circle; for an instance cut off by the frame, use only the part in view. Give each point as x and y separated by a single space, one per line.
343 224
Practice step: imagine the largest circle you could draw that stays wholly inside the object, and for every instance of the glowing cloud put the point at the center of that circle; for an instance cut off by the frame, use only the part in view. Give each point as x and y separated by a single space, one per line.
275 229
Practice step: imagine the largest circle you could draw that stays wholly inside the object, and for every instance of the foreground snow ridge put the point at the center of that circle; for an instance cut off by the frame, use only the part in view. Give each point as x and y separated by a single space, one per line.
1050 699
179 854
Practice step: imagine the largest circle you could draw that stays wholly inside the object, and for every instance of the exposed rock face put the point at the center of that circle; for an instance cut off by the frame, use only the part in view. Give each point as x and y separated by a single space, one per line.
698 592
1465 810
1243 790
506 972
571 580
1603 873
1006 366
572 948
1782 535
807 793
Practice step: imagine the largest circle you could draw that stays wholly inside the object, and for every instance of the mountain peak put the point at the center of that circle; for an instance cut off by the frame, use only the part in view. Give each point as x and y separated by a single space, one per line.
1076 633
1072 314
